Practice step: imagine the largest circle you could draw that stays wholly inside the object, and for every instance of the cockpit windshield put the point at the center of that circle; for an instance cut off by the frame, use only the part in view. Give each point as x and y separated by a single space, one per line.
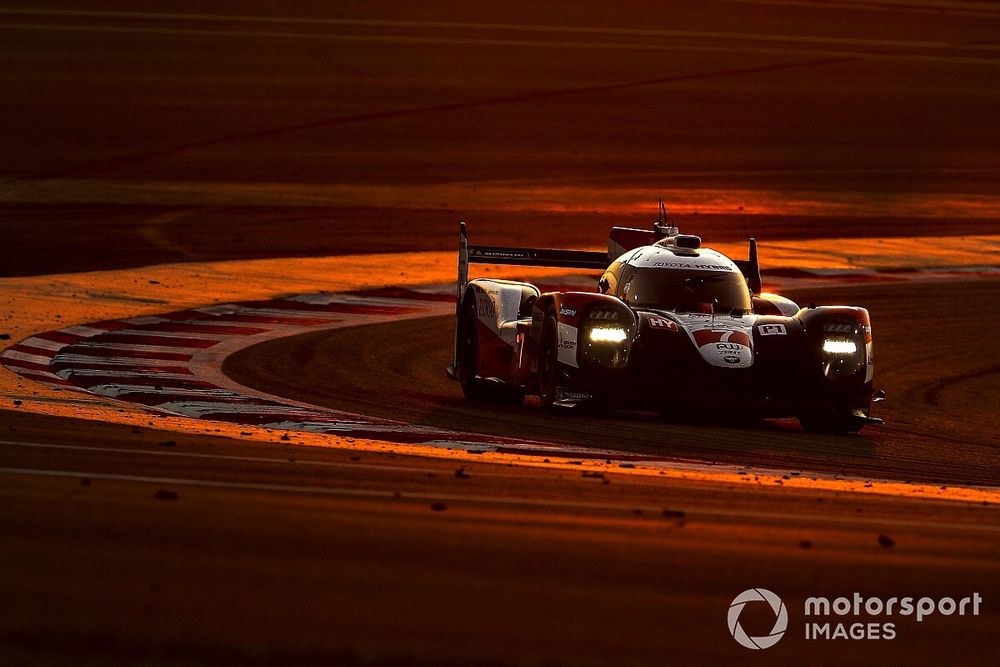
686 290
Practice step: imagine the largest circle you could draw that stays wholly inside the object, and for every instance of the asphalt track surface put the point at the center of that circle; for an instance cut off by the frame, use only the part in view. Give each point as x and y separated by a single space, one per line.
168 135
930 359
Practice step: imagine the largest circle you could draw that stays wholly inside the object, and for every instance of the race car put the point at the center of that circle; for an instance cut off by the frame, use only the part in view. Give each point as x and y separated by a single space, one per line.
672 326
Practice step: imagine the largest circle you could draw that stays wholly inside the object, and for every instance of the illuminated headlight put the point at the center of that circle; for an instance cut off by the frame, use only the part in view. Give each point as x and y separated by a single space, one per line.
842 354
608 335
839 346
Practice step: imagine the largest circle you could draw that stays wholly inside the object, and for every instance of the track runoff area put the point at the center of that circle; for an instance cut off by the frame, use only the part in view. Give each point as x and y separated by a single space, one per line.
164 427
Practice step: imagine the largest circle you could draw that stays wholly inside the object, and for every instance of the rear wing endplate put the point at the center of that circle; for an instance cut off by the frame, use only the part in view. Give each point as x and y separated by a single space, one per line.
750 268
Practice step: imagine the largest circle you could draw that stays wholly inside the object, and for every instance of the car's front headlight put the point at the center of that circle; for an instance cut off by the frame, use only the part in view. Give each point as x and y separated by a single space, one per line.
606 335
843 348
838 346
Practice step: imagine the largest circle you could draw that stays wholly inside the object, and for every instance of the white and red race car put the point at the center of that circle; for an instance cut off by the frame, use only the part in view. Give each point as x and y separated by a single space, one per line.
674 327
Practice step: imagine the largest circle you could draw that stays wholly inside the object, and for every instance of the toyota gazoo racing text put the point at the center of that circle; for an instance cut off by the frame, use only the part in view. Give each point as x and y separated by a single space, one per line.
673 327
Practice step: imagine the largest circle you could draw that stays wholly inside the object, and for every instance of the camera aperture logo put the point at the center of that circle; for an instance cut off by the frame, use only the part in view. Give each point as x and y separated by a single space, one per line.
780 618
864 617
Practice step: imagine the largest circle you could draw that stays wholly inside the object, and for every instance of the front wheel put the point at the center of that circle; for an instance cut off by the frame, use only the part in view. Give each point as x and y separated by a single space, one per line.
832 421
548 360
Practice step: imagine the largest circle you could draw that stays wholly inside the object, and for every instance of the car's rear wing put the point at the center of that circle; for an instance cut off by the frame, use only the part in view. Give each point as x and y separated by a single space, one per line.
620 240
481 254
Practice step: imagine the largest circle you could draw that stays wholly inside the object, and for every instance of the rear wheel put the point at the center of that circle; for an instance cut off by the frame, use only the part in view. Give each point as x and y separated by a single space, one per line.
474 387
548 360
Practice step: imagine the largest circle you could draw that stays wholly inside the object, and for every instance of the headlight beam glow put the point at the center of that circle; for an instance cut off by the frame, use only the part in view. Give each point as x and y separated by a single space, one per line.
608 335
834 346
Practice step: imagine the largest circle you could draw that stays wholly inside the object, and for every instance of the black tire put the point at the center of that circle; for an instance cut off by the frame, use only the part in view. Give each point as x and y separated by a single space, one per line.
832 421
593 407
548 360
474 387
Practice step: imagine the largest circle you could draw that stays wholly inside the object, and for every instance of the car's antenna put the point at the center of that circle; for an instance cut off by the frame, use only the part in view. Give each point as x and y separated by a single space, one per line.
662 227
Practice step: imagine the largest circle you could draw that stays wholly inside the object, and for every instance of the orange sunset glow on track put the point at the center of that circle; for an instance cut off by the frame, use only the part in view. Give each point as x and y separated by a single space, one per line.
229 261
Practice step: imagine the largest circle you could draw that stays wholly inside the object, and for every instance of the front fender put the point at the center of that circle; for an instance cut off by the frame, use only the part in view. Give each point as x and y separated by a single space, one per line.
843 323
570 310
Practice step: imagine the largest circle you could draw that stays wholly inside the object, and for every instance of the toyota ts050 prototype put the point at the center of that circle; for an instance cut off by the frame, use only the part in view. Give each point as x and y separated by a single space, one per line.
673 326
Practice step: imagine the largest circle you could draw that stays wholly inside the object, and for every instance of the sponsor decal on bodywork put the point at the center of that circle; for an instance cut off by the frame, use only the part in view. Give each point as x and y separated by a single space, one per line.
703 266
772 330
666 258
663 323
567 344
708 336
487 306
722 342
564 394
